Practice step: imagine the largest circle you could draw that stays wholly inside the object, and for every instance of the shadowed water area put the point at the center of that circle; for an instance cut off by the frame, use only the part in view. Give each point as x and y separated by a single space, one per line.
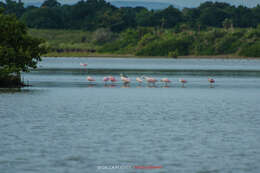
63 123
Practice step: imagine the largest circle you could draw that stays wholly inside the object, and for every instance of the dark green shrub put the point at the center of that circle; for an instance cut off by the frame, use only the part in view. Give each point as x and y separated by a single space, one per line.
173 54
227 45
251 50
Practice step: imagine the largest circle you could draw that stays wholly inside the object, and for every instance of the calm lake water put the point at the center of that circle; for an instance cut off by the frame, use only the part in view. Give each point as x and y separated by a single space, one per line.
64 124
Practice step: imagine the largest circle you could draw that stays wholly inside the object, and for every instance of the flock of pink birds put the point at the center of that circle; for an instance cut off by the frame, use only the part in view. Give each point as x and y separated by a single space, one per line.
140 80
151 81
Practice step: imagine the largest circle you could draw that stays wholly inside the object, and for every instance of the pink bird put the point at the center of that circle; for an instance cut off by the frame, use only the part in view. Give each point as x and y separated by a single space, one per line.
150 80
166 81
90 79
105 79
211 81
112 79
83 64
139 80
183 81
126 80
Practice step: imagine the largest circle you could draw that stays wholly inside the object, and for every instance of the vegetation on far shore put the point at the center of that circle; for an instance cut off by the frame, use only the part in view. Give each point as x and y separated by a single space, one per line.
149 41
96 28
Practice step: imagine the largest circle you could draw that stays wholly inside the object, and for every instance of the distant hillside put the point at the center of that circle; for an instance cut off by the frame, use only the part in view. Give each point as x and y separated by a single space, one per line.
154 4
196 3
148 5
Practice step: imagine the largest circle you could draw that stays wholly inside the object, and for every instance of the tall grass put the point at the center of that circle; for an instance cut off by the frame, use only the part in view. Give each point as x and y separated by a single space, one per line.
65 39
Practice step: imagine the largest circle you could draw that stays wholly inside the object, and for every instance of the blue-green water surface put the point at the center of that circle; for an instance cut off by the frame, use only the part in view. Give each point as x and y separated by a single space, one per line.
64 124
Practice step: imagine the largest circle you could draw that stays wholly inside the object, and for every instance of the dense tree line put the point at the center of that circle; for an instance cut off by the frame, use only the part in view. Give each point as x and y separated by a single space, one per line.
93 14
18 50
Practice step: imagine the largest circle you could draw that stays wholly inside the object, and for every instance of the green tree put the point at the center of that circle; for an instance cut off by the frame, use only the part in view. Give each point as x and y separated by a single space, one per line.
18 51
102 36
190 16
144 17
43 18
169 17
243 17
2 5
227 23
13 7
256 13
212 16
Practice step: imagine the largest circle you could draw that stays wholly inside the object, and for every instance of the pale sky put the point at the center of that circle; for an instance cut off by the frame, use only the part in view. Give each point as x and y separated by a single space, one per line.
186 3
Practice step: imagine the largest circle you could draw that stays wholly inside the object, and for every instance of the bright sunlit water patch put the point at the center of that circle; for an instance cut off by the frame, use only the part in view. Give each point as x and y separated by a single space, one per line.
62 123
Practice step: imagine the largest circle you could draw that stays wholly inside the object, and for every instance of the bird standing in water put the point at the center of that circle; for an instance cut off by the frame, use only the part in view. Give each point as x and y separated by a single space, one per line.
139 80
150 80
106 79
112 79
183 81
90 79
211 81
166 81
83 64
125 79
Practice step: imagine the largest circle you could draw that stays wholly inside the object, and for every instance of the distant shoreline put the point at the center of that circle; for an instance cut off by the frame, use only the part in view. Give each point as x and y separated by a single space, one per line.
97 55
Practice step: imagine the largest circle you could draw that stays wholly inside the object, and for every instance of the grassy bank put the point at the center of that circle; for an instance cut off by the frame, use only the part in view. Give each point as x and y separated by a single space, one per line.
151 42
85 54
65 40
104 55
